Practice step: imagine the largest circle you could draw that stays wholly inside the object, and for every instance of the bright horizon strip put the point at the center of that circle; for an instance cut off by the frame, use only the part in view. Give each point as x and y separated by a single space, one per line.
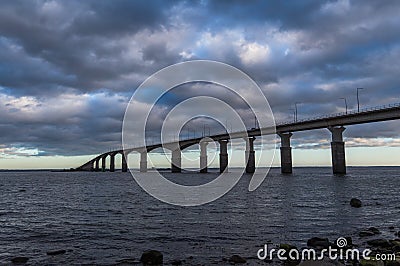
355 156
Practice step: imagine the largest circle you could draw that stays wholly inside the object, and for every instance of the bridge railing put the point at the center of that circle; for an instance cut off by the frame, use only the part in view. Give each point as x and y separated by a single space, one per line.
340 114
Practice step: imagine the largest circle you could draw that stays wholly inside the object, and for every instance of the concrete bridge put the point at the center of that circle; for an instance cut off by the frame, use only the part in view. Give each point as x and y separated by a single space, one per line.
334 123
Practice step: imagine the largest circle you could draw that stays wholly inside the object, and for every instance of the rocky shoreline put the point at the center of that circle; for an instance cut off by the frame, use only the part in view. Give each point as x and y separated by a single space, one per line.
366 238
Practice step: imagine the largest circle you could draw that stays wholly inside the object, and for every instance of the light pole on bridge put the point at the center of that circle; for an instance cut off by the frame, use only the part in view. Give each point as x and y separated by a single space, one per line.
256 124
358 100
294 114
345 103
295 107
204 130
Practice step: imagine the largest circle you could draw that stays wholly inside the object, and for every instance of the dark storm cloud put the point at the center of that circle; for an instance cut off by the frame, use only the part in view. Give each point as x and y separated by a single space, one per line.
295 14
68 68
80 41
113 18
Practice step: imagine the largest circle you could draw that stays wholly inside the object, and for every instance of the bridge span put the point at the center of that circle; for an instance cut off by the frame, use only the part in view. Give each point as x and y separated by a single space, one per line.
335 123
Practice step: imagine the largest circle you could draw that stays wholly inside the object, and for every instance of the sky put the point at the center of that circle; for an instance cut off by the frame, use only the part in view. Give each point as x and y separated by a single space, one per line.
69 68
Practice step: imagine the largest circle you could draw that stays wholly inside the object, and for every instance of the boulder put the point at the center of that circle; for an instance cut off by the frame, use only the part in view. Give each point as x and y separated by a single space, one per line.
236 259
56 252
392 263
366 233
395 242
369 232
355 203
152 257
318 242
382 243
176 262
374 230
20 260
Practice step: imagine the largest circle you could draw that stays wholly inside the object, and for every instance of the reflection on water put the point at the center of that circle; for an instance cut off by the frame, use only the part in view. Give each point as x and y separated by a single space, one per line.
105 217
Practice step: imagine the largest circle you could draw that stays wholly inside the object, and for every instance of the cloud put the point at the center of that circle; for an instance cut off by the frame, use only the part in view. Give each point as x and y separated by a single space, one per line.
67 124
68 68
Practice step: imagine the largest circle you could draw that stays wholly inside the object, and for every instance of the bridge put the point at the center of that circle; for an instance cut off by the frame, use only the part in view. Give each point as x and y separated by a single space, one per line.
335 123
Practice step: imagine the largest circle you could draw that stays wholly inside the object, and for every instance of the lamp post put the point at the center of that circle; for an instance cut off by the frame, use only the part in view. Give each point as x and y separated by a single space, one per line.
358 100
345 103
256 124
205 126
295 106
294 114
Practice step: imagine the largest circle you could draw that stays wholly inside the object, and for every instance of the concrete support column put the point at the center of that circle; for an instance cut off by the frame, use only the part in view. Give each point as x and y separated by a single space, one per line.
203 157
250 156
286 153
124 162
143 161
103 164
112 163
97 168
223 155
338 152
176 161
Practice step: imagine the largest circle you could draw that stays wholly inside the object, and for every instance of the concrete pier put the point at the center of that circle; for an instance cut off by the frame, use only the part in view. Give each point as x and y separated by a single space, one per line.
203 157
112 162
124 162
250 158
97 168
223 155
286 153
338 151
103 163
143 161
176 161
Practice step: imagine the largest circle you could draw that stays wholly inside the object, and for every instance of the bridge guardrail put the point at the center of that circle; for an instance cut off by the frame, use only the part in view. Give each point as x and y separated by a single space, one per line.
365 110
340 114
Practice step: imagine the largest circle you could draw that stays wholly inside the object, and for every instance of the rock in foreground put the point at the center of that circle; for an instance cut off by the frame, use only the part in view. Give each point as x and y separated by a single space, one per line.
19 260
176 262
369 232
355 203
152 257
56 252
382 243
236 259
318 242
366 233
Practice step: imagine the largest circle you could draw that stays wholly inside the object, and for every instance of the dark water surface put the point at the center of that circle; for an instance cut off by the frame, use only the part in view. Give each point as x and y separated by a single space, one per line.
102 218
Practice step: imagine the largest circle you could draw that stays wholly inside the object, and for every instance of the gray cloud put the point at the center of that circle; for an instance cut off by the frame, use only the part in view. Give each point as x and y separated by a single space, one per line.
68 68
